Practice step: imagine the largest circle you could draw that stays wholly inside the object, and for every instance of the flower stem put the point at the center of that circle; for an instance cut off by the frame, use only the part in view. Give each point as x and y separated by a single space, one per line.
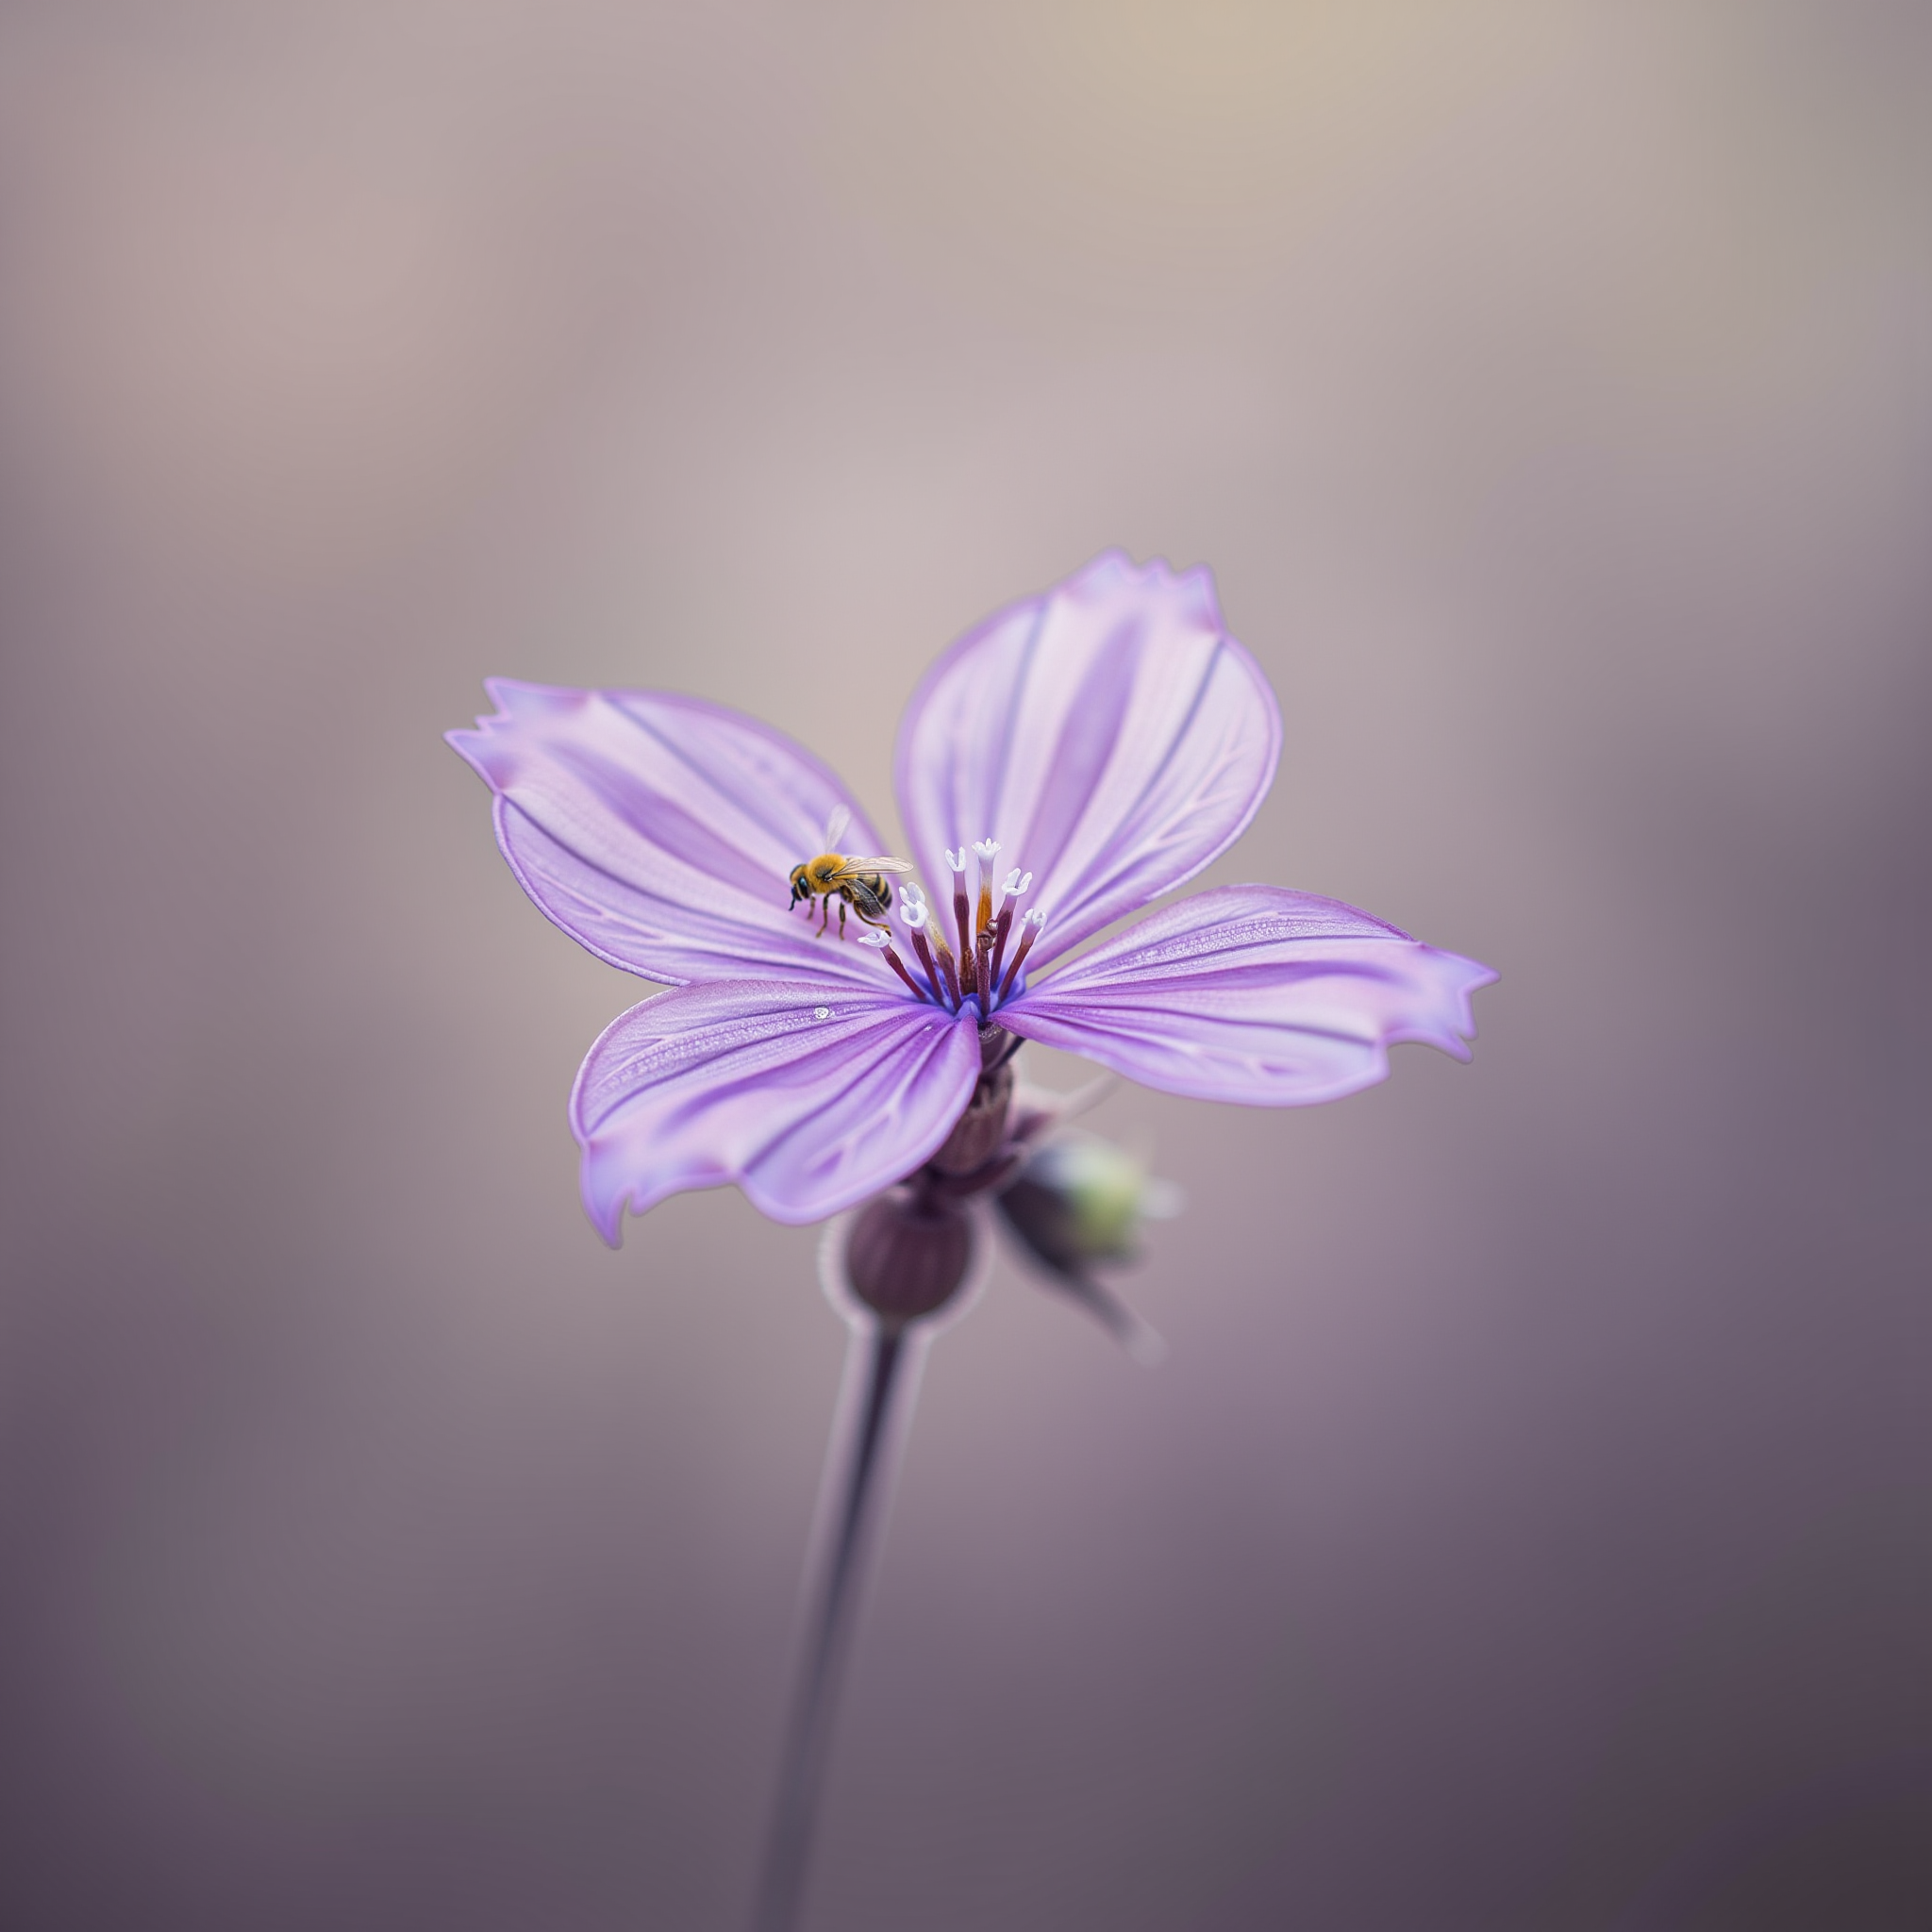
881 1383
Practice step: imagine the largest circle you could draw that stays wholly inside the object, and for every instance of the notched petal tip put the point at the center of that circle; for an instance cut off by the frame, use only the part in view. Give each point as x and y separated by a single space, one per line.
1192 589
1254 995
605 1215
1458 979
487 744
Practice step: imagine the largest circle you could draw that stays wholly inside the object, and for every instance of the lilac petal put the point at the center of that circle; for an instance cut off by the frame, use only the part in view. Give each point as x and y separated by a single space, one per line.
810 1097
1254 993
660 831
1109 733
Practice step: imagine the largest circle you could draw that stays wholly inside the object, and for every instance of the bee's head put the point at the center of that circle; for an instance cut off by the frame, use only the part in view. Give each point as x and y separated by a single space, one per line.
801 884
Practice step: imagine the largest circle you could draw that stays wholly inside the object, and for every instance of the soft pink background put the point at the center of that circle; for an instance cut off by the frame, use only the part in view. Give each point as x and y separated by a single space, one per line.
1528 1533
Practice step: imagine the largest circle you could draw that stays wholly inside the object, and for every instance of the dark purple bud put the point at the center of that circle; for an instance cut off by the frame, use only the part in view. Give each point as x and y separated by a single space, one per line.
908 1253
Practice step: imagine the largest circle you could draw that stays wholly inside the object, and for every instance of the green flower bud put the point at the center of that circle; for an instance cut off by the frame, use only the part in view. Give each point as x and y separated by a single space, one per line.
1081 1201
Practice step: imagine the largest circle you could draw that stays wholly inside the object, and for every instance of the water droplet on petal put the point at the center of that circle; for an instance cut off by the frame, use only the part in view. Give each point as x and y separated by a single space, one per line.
821 1012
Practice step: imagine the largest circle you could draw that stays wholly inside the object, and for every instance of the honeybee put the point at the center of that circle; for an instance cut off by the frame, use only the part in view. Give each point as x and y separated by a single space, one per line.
860 883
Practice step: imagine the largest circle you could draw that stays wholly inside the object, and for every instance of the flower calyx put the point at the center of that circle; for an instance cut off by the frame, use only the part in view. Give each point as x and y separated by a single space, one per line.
911 1248
980 1132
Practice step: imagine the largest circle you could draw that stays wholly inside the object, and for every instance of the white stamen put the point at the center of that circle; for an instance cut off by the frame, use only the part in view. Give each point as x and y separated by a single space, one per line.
956 859
1036 916
1016 883
874 938
913 912
987 850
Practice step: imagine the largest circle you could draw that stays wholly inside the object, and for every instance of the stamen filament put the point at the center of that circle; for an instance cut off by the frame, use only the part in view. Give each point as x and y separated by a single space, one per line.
924 952
946 971
1034 923
898 966
985 905
962 918
1002 927
983 959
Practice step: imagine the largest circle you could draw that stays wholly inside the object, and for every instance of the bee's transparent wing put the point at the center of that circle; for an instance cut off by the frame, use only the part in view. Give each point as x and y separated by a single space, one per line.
835 825
859 865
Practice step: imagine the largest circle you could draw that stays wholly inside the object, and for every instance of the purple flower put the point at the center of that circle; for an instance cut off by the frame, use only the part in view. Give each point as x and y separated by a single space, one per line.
1062 766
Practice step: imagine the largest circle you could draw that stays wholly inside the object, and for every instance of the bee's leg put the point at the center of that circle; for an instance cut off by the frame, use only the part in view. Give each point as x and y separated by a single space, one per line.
841 919
825 918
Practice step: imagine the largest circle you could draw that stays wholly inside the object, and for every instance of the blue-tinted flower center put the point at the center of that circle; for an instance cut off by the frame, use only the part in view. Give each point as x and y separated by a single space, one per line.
993 935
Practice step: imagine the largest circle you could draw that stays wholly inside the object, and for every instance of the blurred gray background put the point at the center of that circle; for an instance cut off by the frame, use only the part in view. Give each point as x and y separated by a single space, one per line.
1530 1531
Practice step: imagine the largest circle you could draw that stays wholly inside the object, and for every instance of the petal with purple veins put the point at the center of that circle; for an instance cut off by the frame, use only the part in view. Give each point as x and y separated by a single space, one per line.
1254 993
660 831
1109 733
810 1098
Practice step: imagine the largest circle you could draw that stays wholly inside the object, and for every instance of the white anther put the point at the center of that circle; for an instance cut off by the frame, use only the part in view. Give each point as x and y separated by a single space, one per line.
1016 883
1036 916
986 848
956 859
874 938
913 912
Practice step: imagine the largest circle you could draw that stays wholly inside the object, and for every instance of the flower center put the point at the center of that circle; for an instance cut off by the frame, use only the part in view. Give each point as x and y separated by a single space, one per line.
981 971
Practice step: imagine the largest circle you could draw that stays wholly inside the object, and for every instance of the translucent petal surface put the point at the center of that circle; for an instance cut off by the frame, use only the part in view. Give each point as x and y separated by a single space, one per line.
1109 735
1254 993
810 1098
660 831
